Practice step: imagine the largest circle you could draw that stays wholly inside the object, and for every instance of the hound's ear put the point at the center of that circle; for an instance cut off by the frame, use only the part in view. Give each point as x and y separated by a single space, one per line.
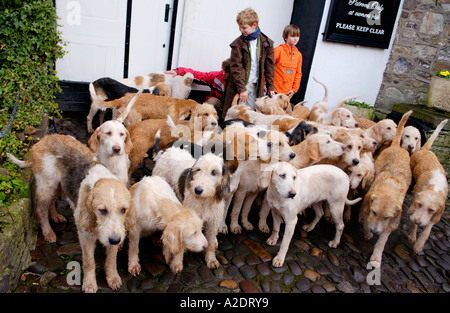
130 218
366 204
367 180
93 141
235 100
128 143
86 219
172 239
266 176
335 118
224 187
313 151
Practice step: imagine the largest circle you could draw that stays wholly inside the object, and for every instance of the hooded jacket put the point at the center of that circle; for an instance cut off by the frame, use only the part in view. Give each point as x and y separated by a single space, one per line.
288 68
238 63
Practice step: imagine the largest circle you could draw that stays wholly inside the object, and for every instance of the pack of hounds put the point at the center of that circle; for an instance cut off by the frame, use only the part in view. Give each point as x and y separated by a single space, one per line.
292 157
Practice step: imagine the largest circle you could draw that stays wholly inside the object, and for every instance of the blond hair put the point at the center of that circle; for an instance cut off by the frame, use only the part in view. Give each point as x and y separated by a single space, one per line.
247 17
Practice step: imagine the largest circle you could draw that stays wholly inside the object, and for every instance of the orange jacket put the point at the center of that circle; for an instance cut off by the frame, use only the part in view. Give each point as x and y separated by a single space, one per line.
288 68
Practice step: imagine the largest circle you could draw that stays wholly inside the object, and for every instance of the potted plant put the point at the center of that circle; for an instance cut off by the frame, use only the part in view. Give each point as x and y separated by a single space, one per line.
439 91
360 109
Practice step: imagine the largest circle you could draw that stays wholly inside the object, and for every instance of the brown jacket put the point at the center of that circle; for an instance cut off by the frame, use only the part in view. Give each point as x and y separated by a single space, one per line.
238 61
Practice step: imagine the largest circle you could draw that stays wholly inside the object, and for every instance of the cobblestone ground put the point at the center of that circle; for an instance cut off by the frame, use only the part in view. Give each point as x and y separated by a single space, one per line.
310 266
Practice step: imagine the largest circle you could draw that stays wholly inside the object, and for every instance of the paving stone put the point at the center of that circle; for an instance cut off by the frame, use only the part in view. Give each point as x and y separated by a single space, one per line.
280 269
155 268
318 289
412 288
205 273
275 287
228 283
257 249
302 284
265 285
222 259
188 278
436 276
333 258
322 269
175 288
316 252
358 275
295 268
311 275
69 249
247 271
288 279
329 287
252 259
247 286
345 287
401 252
301 244
238 261
444 264
263 269
132 284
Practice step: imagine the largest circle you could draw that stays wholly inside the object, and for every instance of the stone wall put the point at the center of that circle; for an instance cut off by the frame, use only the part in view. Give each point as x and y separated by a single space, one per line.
421 47
18 235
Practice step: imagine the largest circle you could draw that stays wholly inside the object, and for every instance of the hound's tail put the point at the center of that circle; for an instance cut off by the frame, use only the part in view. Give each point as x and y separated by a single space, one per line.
156 148
127 110
341 103
19 163
325 96
103 105
429 143
352 202
401 125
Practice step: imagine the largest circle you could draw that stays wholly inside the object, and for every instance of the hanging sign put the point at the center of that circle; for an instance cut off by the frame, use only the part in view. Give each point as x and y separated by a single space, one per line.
363 22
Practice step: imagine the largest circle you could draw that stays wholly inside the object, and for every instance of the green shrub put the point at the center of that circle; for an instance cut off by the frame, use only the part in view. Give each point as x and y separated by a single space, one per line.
29 46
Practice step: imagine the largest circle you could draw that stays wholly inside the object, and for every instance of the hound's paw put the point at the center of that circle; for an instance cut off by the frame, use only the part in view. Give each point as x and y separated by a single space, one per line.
134 269
58 218
50 236
236 229
307 228
333 244
412 238
264 228
176 267
375 263
278 261
114 282
272 241
212 263
223 229
89 287
418 248
248 225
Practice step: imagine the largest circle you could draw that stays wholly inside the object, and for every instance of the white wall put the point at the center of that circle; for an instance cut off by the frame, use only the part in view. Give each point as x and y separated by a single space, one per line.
347 70
209 26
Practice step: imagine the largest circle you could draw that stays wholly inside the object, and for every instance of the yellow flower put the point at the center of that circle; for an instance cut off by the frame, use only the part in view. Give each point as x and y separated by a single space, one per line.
444 73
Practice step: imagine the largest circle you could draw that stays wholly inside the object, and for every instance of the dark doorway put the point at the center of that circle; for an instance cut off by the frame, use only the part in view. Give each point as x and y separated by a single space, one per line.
307 15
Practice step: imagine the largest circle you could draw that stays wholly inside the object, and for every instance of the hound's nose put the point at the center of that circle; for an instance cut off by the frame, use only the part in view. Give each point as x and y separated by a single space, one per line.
374 143
213 123
292 155
113 240
269 145
198 190
292 194
355 161
116 149
356 125
410 147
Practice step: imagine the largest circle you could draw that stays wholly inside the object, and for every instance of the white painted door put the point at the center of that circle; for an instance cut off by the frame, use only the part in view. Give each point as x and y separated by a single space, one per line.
95 36
209 26
149 36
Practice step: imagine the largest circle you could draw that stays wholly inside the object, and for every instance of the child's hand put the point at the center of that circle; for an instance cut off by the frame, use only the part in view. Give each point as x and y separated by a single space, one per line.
290 93
171 72
272 93
243 97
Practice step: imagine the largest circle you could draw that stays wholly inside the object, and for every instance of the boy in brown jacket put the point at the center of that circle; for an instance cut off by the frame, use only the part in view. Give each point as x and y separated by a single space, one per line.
251 62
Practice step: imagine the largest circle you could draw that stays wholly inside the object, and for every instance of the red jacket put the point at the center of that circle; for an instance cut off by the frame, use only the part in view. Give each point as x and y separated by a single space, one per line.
213 80
288 68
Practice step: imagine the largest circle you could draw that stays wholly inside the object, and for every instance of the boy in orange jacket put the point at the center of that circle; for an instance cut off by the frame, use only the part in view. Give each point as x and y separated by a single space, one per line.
288 63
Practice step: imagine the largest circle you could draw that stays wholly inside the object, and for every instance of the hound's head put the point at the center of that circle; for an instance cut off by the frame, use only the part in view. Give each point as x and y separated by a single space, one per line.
110 139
